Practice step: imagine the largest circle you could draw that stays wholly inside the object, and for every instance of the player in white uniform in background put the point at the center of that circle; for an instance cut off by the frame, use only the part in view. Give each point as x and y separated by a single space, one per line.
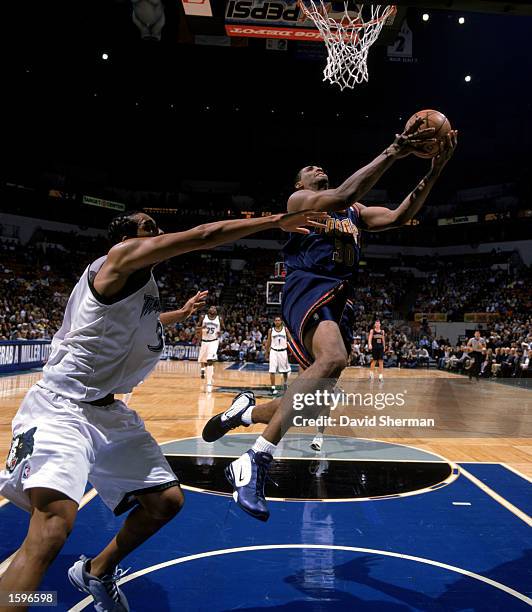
277 353
210 329
70 429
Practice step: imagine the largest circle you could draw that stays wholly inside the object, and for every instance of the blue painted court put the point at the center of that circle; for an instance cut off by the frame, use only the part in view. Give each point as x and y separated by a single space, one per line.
451 547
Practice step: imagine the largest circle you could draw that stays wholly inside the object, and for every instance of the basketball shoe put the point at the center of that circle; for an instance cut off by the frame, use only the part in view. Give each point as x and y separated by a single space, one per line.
223 422
108 597
247 476
317 442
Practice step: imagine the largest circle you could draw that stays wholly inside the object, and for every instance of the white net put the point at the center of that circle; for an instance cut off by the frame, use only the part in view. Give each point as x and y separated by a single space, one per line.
348 35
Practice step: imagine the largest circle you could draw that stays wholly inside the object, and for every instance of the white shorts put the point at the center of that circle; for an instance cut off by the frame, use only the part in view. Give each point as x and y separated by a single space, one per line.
208 351
61 444
279 362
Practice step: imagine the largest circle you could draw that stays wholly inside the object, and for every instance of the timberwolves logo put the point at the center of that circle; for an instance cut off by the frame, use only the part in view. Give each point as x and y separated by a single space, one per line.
151 304
21 448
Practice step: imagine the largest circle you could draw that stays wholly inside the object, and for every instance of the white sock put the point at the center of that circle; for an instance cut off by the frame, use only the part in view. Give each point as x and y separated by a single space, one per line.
263 446
380 376
246 417
210 374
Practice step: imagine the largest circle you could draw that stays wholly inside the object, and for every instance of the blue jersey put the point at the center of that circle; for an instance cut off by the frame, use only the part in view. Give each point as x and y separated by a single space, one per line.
332 251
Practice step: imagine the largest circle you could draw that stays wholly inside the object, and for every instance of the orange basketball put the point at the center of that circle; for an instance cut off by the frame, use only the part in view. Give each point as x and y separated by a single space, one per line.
431 119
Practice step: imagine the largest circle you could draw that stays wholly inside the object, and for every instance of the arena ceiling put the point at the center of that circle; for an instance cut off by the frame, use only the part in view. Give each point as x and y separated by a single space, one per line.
155 112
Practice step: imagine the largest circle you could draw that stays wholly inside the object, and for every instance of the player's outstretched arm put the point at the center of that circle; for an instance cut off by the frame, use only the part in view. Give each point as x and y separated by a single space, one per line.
134 254
138 253
359 183
189 308
379 218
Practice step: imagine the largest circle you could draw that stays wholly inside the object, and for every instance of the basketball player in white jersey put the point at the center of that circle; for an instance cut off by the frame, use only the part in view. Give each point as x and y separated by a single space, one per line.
277 352
70 429
210 328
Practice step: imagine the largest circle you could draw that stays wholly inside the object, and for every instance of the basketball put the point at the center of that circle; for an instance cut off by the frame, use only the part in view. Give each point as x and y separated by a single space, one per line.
431 119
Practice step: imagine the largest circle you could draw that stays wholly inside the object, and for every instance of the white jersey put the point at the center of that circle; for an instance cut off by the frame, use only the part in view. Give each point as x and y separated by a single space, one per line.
104 348
279 339
210 329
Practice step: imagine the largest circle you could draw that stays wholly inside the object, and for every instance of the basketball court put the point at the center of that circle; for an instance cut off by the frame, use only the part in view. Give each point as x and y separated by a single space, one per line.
420 516
391 523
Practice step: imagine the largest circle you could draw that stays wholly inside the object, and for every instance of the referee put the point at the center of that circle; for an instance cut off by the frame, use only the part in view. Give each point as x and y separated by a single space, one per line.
476 345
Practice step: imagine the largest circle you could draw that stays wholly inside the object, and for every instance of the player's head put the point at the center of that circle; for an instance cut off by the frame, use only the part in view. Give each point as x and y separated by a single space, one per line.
477 333
278 322
311 177
377 323
212 311
134 224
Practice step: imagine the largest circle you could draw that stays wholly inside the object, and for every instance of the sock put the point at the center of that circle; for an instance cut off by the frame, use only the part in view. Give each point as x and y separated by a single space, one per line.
210 374
246 417
263 446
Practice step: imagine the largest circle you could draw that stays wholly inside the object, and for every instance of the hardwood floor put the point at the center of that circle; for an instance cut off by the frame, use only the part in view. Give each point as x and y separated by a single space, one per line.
491 422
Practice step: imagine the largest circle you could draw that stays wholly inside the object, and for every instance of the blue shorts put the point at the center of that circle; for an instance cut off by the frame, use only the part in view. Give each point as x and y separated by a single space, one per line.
309 299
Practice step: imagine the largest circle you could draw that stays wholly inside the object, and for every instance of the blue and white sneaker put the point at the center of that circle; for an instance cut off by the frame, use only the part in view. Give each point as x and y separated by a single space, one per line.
223 422
247 476
107 596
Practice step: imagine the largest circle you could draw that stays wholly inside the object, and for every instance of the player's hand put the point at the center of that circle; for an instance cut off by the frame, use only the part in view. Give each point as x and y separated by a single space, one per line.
446 152
406 143
370 347
195 303
299 221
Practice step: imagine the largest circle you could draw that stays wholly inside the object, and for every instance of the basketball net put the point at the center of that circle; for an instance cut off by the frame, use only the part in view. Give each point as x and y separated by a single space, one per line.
348 35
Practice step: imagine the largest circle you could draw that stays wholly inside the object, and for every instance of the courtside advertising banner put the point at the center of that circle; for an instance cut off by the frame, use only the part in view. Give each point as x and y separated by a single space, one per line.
23 355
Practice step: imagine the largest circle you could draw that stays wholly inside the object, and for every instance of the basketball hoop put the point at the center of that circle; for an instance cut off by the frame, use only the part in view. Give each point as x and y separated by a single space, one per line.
348 35
280 269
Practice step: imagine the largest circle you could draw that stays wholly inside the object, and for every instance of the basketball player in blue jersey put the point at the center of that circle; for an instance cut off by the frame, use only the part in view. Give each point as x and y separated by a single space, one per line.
70 429
317 301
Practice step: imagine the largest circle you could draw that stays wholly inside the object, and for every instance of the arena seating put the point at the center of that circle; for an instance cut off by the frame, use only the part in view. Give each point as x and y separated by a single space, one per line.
36 279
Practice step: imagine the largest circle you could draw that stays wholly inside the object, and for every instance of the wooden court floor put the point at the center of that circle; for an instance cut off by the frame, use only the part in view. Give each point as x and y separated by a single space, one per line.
174 404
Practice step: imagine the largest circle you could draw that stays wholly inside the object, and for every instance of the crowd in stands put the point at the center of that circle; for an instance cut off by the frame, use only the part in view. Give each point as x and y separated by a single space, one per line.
507 352
36 280
33 290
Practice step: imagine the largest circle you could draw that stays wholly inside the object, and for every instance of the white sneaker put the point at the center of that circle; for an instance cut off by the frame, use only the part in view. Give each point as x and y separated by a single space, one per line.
107 596
317 442
209 388
381 378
